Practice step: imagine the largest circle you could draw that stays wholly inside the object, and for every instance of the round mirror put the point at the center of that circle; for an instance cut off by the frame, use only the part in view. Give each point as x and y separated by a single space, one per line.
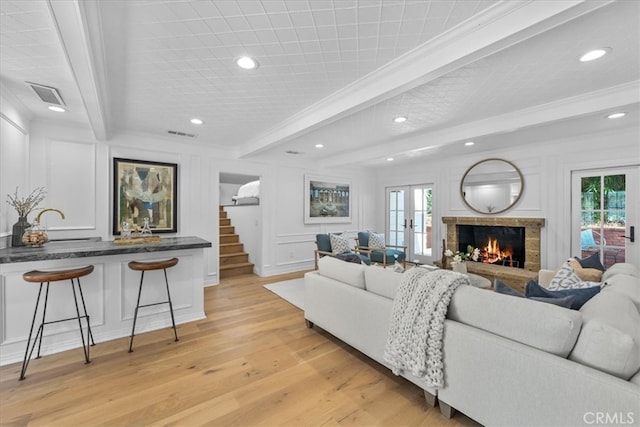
491 186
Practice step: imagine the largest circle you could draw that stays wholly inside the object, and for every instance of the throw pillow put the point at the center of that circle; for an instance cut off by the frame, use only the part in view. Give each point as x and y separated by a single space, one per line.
582 295
592 261
339 244
565 278
586 274
565 302
502 288
376 240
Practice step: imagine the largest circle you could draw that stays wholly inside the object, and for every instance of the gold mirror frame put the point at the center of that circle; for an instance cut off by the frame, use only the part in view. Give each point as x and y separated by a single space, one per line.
489 174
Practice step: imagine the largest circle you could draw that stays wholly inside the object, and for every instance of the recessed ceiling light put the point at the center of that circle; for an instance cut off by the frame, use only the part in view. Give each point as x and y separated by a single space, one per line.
196 121
319 145
616 115
469 143
595 54
56 109
400 119
246 62
389 159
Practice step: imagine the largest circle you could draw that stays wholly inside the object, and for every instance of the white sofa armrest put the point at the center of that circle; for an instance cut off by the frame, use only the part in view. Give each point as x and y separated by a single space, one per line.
545 277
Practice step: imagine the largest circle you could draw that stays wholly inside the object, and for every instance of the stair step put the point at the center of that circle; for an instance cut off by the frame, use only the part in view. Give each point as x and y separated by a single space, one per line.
225 221
235 269
229 238
227 229
231 248
222 214
236 258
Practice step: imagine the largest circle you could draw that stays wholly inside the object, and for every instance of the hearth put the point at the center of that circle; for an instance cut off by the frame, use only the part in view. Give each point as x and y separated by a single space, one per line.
499 245
528 265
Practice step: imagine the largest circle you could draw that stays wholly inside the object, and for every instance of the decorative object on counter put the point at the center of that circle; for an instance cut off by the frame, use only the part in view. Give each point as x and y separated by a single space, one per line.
140 235
35 236
125 230
24 206
143 189
146 230
136 240
18 231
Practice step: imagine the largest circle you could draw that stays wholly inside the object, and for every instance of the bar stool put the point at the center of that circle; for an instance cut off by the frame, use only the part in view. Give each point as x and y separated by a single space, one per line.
146 266
41 277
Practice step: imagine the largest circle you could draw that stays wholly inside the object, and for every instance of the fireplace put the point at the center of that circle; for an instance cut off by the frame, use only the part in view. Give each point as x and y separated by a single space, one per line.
499 245
526 250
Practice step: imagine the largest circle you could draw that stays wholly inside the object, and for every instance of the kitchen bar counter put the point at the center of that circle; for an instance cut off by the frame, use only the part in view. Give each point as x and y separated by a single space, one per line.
110 291
82 248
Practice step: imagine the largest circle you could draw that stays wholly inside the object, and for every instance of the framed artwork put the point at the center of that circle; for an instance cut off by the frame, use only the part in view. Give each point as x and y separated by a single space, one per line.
326 200
142 190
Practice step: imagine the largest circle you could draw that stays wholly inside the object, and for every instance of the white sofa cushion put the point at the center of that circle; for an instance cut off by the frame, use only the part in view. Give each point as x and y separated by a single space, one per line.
347 272
624 284
621 268
544 326
610 336
382 281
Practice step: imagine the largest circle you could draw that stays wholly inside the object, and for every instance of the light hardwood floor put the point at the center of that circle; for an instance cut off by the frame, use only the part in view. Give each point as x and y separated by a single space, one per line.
251 362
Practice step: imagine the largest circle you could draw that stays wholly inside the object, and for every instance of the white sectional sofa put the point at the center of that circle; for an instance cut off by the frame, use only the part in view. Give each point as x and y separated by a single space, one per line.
508 360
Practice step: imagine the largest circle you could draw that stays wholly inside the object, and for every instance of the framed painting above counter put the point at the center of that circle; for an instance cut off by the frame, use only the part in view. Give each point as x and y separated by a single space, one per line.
145 189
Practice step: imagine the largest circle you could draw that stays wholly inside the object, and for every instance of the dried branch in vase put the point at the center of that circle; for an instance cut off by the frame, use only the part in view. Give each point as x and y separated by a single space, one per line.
24 206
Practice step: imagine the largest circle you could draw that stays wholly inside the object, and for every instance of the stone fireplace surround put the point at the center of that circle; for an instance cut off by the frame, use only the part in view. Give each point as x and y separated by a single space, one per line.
514 277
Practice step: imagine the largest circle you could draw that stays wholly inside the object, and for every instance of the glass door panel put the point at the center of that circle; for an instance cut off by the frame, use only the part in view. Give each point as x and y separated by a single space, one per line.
409 217
605 212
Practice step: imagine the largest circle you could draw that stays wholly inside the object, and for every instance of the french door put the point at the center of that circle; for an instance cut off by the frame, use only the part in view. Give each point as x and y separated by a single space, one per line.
409 220
605 214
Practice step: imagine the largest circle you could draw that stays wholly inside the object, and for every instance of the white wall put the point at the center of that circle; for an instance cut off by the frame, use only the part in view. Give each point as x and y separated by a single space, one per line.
14 173
546 166
77 172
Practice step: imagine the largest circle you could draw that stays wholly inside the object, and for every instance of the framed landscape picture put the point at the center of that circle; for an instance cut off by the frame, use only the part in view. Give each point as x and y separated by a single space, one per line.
143 189
326 200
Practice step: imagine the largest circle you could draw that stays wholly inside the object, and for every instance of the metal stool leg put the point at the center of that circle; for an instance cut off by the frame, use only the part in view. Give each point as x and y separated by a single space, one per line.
173 320
27 355
84 306
44 313
85 346
135 315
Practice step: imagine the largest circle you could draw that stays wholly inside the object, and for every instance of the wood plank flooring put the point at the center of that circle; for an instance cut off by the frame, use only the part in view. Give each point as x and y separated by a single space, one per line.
251 362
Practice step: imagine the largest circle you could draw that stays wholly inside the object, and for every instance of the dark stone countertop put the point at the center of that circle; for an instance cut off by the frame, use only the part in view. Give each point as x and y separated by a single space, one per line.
82 249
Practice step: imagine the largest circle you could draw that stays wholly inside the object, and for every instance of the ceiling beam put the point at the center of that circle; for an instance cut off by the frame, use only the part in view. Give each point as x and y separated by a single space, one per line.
603 100
498 27
84 53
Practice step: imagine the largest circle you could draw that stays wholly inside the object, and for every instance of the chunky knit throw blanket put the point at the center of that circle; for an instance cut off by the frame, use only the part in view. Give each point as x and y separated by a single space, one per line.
416 329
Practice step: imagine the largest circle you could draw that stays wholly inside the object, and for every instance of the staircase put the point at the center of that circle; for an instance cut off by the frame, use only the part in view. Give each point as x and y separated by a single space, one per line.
233 260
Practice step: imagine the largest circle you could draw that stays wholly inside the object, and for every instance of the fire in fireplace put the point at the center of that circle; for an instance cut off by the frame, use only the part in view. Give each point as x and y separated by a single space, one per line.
498 244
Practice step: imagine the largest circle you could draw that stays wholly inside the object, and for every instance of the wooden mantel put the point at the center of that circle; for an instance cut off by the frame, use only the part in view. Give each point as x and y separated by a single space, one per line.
515 277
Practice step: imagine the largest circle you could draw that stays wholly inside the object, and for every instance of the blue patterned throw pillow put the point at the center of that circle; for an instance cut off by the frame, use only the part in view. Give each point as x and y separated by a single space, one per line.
339 244
376 240
581 295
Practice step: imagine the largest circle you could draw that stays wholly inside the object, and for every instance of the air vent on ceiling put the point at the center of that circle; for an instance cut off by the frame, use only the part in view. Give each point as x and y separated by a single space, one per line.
47 94
292 152
177 133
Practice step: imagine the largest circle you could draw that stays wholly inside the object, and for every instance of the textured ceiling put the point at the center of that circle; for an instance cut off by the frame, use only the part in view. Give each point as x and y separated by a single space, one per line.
331 71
